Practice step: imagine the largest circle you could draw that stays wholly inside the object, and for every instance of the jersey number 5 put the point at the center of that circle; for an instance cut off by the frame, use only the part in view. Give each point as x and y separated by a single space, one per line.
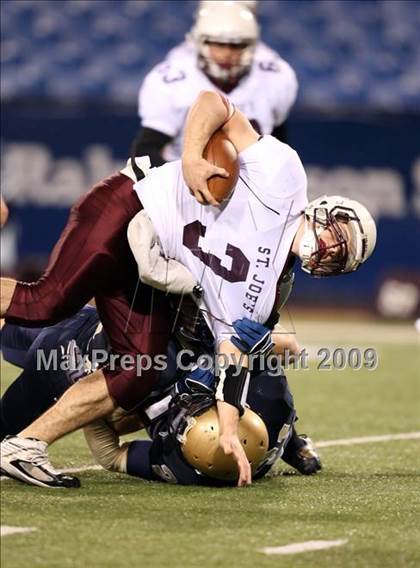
240 264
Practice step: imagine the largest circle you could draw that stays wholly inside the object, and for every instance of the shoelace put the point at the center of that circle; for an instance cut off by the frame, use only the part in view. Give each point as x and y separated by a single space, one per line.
35 456
9 448
40 458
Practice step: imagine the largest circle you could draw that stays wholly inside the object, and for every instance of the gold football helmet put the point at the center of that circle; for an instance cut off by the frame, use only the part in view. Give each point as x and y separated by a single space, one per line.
200 444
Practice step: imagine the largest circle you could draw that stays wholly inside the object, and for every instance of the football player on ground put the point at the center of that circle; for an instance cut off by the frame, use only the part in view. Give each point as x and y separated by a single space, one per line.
223 52
70 349
266 223
184 429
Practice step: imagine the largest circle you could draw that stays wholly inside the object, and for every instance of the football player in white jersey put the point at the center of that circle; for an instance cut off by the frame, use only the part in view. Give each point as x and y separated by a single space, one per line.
222 51
237 251
331 236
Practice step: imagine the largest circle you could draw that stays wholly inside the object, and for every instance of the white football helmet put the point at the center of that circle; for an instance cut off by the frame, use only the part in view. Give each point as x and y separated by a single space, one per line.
226 23
352 228
252 5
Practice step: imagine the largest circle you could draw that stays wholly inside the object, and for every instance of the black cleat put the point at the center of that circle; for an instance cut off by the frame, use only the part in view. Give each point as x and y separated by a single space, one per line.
301 455
26 459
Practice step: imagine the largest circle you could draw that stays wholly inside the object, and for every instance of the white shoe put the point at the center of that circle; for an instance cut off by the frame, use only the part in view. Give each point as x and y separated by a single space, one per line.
26 459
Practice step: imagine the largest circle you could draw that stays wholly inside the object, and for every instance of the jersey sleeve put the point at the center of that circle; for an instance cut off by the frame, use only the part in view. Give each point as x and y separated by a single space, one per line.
284 90
156 106
275 174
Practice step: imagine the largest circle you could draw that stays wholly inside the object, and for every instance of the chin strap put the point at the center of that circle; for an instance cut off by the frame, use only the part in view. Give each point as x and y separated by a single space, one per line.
308 245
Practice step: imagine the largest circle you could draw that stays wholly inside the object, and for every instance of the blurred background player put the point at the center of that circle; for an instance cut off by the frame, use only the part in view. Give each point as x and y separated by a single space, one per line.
188 48
221 51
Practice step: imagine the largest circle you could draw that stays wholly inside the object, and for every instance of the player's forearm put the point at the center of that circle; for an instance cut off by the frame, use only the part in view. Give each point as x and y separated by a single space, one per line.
231 359
4 212
229 353
209 112
231 396
105 448
228 418
284 341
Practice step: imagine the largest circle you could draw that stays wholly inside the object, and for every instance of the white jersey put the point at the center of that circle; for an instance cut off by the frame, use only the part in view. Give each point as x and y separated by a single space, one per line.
265 95
237 252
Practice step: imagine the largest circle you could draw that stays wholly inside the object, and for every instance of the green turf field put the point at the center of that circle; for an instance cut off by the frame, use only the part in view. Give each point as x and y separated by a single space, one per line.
367 494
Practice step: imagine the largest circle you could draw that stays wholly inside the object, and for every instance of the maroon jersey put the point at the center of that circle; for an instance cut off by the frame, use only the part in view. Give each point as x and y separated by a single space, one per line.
93 259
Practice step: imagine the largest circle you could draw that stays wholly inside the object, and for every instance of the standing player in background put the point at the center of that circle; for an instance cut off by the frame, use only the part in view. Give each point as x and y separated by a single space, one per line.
222 51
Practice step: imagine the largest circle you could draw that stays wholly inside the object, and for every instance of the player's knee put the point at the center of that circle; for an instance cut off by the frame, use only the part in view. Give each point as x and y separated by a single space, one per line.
128 387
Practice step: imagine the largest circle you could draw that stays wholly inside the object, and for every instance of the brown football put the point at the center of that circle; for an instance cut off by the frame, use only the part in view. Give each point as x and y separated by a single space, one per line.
222 153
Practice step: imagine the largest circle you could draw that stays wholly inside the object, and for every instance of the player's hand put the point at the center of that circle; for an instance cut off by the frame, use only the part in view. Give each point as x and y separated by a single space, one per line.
196 381
254 338
4 212
196 173
231 445
76 363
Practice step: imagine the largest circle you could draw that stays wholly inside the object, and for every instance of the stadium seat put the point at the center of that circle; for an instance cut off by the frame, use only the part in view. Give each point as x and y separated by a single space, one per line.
345 53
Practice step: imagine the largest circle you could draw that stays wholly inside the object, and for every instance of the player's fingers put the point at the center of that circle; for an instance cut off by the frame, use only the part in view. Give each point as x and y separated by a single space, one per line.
244 473
226 447
220 172
208 196
198 196
244 468
243 480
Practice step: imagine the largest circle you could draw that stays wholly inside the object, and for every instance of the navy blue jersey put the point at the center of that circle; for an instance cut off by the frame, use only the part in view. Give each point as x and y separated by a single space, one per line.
161 459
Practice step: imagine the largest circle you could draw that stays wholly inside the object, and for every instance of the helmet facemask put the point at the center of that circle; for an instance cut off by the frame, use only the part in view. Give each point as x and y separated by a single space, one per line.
218 72
352 231
313 249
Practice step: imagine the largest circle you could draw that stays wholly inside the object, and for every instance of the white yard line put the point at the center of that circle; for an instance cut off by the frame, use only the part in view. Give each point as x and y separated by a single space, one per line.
6 530
320 444
308 546
83 468
368 440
